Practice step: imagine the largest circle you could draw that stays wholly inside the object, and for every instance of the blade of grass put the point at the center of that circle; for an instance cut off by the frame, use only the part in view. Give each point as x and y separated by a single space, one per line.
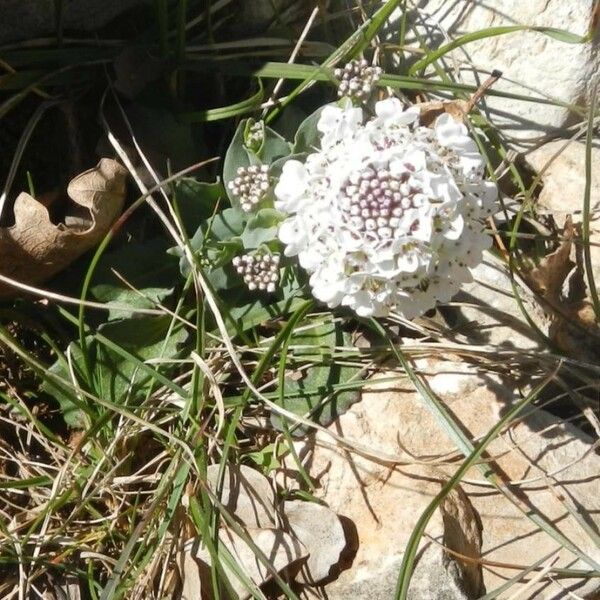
585 228
225 112
349 49
559 34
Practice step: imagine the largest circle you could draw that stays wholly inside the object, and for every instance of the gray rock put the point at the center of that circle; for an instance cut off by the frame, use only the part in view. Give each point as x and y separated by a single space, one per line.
561 165
487 312
246 494
319 529
533 64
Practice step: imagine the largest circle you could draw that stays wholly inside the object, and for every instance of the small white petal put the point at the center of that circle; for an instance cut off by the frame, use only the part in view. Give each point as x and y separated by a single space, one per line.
391 112
291 186
447 129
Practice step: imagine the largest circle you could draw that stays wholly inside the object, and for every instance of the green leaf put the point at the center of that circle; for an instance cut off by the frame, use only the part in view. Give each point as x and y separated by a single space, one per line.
267 458
261 228
224 278
118 377
116 353
274 146
227 224
313 373
225 112
216 241
243 153
249 315
237 156
196 201
307 137
72 410
145 266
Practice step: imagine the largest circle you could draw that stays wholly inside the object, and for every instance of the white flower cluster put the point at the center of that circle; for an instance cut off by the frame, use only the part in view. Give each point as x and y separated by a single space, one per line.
250 185
388 214
357 79
259 271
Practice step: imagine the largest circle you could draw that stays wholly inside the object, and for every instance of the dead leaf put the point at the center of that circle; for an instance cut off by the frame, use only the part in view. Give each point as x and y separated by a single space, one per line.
34 249
281 549
573 327
321 531
430 111
548 277
246 494
577 333
457 109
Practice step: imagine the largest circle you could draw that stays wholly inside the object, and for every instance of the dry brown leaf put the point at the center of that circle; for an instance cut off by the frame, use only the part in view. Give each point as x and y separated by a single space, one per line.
577 333
549 276
321 531
430 111
34 249
457 109
281 549
573 327
246 494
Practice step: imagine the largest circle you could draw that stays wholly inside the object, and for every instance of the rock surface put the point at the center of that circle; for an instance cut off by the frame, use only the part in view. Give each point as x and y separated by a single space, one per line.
533 64
548 462
489 314
320 530
562 168
280 548
246 494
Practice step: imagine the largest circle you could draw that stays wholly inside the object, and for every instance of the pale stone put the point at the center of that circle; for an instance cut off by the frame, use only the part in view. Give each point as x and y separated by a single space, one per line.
246 494
548 462
486 311
561 165
533 64
563 177
280 548
321 532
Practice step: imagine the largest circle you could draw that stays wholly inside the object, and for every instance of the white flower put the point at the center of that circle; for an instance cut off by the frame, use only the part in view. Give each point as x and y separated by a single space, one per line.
291 186
336 123
387 215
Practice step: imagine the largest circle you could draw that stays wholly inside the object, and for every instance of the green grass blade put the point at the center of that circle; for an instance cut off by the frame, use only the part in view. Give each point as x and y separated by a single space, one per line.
559 34
585 229
225 112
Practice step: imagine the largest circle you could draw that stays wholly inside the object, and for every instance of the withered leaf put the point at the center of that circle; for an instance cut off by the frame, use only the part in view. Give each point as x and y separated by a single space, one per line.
457 109
34 249
573 327
577 333
430 111
548 277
